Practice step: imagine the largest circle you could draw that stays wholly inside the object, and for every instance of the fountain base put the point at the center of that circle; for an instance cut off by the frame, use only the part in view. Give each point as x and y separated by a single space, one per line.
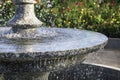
25 76
78 72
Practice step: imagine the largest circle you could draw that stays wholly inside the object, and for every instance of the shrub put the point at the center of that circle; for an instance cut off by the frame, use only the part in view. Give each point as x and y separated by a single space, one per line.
7 10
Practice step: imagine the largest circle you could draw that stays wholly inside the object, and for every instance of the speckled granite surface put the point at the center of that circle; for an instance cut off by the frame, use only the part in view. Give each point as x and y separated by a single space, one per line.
35 54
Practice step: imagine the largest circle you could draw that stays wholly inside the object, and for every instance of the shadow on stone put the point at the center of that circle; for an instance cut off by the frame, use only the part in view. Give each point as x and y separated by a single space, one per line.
86 72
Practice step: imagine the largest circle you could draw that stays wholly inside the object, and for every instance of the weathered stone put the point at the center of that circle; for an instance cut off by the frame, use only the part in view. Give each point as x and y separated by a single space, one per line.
52 45
27 47
24 15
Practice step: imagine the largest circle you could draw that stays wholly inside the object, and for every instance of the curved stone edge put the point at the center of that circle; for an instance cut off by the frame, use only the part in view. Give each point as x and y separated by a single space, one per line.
103 65
30 56
46 63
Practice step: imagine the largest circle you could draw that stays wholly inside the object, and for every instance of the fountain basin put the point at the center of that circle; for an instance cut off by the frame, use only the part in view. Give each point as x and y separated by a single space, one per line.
27 47
55 48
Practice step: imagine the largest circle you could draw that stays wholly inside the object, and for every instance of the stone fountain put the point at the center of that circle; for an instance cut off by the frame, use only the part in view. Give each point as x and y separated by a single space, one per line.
29 51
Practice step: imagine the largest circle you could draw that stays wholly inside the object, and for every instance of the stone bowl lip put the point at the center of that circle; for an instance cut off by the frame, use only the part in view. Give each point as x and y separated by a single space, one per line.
48 55
52 54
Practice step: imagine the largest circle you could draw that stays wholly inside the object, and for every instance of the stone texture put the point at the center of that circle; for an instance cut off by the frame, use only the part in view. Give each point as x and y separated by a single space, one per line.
56 48
86 72
24 15
52 42
25 46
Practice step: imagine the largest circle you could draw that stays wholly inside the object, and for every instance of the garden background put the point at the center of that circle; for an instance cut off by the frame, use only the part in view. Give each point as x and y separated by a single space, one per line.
96 15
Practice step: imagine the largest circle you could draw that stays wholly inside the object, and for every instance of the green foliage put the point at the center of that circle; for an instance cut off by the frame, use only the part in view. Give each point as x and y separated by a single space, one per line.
7 11
80 14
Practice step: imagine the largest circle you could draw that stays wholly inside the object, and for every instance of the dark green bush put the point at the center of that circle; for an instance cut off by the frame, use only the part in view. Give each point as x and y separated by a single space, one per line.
7 10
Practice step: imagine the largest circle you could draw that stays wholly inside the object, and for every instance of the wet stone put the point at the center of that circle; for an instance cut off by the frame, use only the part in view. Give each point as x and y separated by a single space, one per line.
27 47
52 48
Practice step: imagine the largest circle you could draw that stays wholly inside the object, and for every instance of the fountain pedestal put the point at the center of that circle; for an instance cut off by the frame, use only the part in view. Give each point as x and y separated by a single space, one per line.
24 15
